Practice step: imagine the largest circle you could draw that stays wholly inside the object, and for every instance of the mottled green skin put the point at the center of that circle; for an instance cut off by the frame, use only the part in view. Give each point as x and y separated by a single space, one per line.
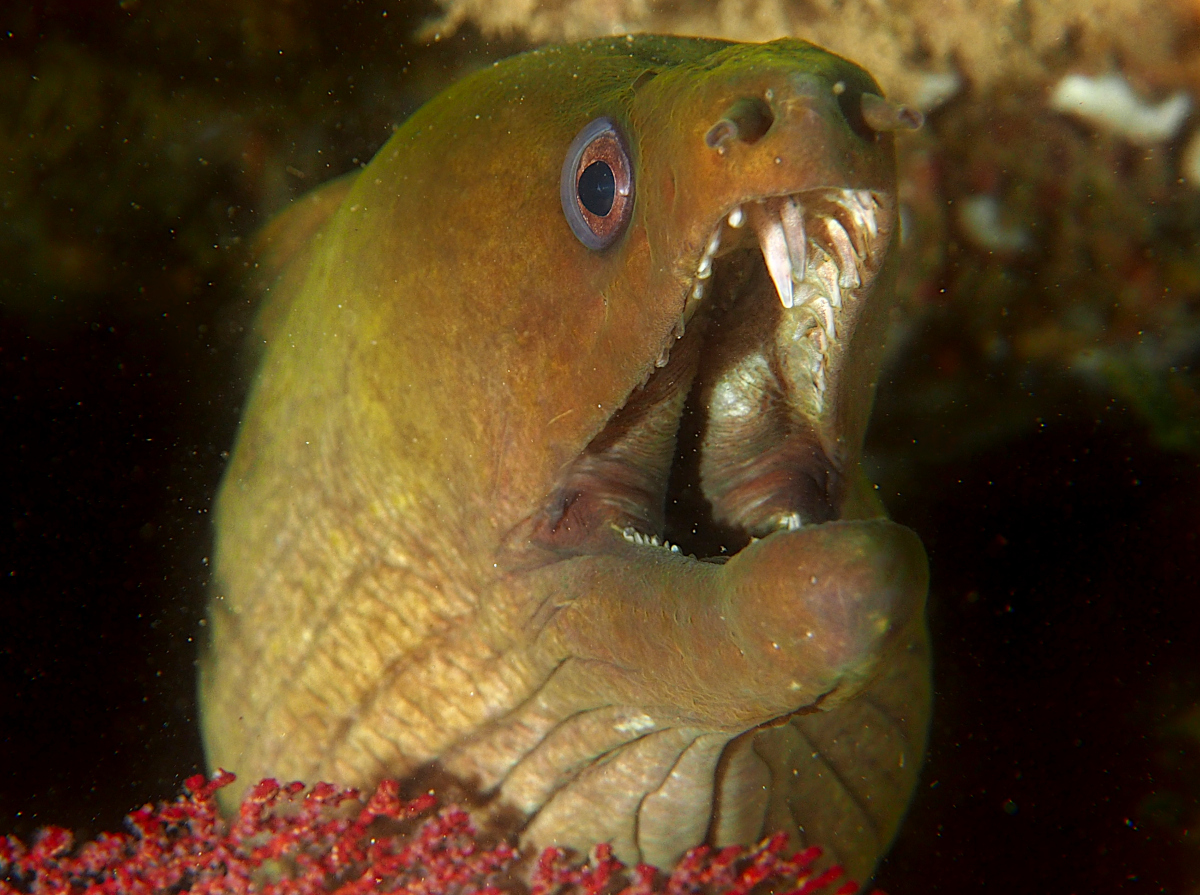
440 350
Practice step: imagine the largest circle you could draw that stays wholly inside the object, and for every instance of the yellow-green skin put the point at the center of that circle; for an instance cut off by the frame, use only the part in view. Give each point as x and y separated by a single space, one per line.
440 349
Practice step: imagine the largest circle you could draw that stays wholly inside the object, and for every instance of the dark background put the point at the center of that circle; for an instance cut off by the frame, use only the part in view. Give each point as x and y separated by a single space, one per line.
1065 749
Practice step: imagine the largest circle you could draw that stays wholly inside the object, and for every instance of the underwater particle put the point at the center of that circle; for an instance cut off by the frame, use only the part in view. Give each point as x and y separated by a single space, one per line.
1109 103
984 223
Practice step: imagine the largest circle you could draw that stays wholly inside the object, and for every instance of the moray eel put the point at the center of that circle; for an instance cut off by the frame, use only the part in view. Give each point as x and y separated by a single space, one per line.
549 482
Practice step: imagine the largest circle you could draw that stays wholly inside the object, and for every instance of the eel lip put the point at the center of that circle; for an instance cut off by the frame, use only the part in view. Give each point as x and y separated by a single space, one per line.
847 592
739 430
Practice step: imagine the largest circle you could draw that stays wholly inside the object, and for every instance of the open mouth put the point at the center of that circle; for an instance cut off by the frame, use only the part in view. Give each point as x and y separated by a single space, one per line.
740 430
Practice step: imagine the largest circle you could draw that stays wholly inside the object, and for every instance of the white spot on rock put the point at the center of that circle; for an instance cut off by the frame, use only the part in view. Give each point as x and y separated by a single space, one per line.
1109 103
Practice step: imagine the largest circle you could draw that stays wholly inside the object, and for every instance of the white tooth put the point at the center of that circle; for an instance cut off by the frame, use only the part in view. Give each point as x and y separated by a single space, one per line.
825 278
856 212
846 255
859 204
866 201
818 332
857 230
835 293
698 291
705 269
792 217
736 218
713 244
789 522
823 308
773 242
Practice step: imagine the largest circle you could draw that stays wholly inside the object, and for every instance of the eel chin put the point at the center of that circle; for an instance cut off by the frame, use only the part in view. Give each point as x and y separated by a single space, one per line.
720 600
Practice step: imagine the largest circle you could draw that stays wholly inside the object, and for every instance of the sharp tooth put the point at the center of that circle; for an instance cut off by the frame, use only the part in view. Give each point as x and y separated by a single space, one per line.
859 205
866 204
857 228
822 340
835 292
792 217
826 319
773 242
704 269
789 522
847 257
736 218
714 243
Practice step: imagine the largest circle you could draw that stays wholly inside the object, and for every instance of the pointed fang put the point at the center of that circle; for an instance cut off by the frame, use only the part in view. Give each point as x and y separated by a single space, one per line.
774 245
847 257
792 217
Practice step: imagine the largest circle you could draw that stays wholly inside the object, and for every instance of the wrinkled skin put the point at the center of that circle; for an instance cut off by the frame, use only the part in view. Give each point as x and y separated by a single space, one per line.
425 564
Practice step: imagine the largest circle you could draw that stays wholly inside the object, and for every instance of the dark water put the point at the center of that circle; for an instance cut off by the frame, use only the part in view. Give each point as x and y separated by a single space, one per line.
1065 622
1065 604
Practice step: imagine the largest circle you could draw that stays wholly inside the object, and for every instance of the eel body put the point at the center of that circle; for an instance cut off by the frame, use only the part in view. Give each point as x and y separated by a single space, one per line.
549 482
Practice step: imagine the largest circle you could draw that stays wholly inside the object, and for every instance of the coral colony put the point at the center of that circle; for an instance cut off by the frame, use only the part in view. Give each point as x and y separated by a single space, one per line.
288 841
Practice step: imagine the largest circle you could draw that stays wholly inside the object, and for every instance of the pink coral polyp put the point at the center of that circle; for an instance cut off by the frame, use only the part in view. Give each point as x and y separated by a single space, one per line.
289 841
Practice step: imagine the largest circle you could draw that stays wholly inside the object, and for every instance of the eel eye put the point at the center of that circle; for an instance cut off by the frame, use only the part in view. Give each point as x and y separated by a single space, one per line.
596 187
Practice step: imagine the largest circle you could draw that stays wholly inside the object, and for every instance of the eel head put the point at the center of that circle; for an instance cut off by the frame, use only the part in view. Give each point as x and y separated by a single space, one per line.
551 477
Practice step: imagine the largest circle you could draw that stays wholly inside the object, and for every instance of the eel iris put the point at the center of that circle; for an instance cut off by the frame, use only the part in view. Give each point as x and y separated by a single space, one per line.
548 487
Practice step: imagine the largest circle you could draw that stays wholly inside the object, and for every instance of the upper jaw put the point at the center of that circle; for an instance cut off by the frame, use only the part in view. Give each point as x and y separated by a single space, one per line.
823 249
781 384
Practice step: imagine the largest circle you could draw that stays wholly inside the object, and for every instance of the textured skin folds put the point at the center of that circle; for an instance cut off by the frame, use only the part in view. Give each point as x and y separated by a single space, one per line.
421 565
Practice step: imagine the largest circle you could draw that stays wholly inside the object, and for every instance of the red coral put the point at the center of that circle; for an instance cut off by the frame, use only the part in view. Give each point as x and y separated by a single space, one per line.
286 843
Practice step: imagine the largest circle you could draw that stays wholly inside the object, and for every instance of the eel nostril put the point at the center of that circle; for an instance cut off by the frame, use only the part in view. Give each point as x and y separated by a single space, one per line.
747 119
